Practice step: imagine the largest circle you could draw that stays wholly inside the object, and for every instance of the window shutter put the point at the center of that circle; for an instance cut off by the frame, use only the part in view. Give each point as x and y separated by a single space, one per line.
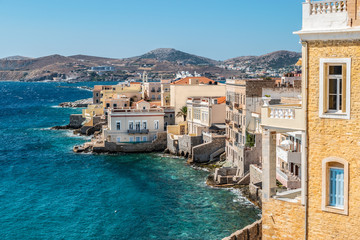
325 90
336 196
344 80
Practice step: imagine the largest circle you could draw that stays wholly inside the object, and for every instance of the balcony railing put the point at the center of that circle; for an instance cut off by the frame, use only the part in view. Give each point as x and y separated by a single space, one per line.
287 116
325 7
282 113
139 131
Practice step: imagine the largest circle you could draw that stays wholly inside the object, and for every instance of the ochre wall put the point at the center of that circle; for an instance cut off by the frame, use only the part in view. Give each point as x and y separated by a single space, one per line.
282 220
333 138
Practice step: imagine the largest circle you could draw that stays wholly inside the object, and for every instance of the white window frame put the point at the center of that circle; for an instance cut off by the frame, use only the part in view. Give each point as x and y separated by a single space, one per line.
142 124
156 124
118 139
118 122
132 125
322 91
144 138
131 139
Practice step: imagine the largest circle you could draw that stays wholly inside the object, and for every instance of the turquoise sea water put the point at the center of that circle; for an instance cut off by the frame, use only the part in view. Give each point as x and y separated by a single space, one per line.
48 192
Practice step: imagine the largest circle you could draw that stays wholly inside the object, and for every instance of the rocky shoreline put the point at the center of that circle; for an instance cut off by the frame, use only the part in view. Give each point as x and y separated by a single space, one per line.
78 103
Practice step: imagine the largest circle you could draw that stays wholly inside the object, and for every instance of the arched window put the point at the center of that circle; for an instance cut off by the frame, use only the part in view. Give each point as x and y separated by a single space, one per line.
335 185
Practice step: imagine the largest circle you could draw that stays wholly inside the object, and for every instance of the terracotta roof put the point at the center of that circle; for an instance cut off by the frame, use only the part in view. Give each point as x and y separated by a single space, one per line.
98 87
135 83
186 80
157 103
221 100
142 100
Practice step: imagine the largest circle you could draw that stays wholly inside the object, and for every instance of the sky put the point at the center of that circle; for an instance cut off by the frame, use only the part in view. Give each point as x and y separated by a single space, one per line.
217 29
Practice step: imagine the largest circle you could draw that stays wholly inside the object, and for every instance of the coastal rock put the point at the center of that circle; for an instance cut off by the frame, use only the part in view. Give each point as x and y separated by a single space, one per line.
78 103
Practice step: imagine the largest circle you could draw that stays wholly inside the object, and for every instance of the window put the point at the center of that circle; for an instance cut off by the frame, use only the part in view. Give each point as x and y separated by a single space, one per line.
131 139
131 125
118 139
156 124
138 139
144 124
108 105
335 185
97 101
137 125
335 88
114 105
118 125
144 138
97 94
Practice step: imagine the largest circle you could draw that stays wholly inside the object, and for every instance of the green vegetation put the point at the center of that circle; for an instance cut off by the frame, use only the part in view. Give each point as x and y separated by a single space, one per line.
250 139
182 113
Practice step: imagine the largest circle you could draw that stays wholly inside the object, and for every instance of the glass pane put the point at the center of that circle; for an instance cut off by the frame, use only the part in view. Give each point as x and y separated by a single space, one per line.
333 86
340 102
335 70
332 102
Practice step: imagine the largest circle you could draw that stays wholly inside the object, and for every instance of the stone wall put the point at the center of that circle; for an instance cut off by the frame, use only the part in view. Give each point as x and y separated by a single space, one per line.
253 155
250 232
202 152
186 144
159 144
283 220
172 144
76 121
255 186
333 138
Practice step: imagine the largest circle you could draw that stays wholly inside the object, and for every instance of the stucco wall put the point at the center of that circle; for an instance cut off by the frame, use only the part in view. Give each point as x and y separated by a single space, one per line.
180 93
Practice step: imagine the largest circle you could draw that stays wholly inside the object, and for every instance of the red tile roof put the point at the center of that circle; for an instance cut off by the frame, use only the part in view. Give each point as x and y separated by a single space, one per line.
221 100
186 80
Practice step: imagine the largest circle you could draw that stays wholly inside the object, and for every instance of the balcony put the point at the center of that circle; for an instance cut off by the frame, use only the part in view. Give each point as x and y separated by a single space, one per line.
138 131
283 116
290 181
324 15
288 156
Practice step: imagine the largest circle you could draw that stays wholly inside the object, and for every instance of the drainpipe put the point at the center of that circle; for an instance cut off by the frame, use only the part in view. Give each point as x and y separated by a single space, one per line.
305 103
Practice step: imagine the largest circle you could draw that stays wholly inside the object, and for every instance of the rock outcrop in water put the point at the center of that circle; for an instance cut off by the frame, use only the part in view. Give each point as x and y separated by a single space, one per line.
78 103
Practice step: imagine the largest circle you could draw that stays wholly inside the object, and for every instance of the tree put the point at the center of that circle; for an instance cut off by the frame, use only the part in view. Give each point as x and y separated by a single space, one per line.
182 112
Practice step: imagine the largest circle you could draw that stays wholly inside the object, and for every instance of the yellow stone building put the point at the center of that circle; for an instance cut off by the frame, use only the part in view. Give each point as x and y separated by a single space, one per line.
327 205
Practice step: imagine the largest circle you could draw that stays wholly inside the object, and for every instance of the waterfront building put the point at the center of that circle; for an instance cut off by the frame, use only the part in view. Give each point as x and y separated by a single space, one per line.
326 207
133 125
131 90
204 112
182 89
115 101
243 102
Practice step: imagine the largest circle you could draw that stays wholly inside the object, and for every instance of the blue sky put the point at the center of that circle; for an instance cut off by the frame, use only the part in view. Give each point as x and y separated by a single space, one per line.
218 29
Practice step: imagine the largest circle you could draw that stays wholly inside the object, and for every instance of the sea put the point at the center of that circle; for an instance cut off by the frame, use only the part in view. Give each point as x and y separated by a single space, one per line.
49 192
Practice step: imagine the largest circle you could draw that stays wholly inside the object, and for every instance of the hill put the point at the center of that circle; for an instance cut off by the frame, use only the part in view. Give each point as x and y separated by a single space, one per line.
176 56
274 60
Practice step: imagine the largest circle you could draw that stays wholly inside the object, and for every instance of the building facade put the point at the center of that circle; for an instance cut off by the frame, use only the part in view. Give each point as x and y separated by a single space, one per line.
133 125
327 207
187 87
243 104
203 112
152 91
